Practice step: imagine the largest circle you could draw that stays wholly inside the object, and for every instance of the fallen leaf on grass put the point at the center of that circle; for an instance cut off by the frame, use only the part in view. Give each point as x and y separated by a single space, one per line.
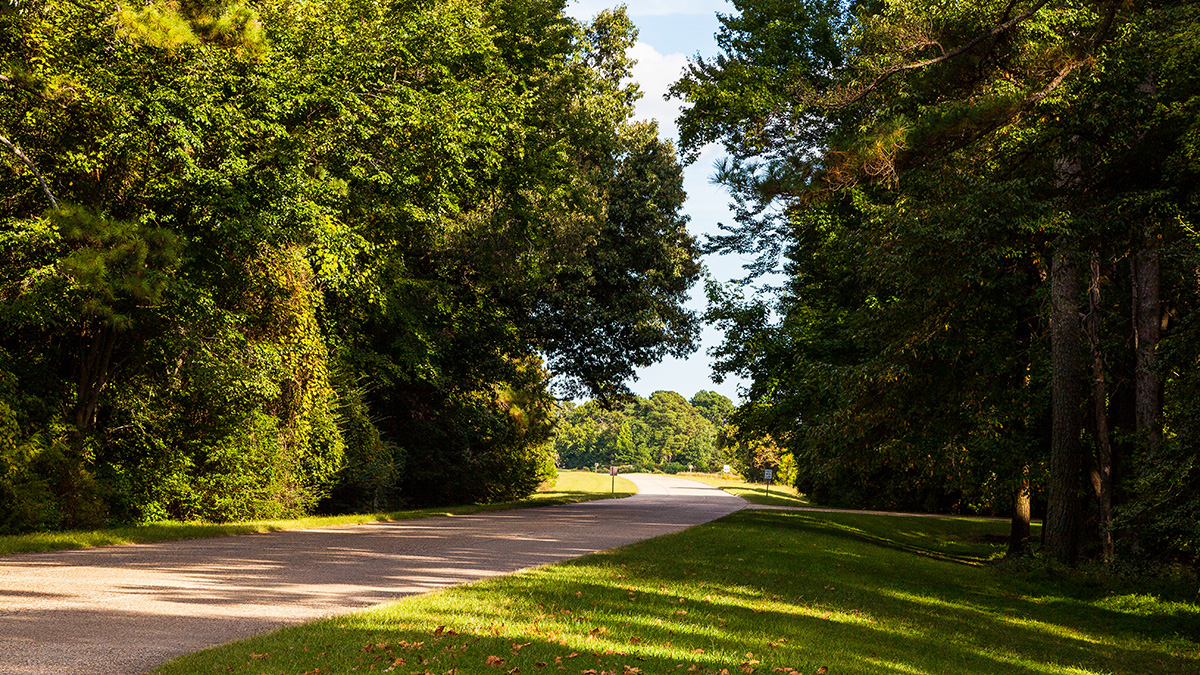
697 651
634 641
572 655
495 661
518 647
515 671
540 664
822 670
260 657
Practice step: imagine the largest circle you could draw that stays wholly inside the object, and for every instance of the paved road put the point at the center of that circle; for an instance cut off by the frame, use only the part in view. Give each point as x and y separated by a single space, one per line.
126 609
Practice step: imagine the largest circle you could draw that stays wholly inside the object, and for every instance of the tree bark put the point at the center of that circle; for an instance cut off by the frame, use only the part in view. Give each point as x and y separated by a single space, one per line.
1147 326
1102 473
1062 511
1018 537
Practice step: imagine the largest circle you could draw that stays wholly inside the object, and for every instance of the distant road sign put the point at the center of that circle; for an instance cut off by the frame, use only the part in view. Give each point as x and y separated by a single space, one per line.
727 469
767 474
612 470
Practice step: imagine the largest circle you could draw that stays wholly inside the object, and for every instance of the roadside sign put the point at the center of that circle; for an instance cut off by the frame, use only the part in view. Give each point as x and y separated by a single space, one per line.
727 469
767 473
612 470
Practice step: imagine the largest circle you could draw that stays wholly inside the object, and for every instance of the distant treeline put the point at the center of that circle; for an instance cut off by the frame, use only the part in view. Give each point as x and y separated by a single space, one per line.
665 432
263 258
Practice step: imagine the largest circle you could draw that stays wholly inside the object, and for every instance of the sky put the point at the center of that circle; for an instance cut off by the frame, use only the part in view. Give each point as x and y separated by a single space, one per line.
669 33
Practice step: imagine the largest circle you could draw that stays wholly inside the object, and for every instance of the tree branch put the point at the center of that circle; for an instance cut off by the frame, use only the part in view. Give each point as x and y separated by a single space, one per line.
88 8
20 155
1000 28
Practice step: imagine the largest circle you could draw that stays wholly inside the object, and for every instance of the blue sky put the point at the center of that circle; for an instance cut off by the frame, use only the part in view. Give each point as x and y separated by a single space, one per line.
669 33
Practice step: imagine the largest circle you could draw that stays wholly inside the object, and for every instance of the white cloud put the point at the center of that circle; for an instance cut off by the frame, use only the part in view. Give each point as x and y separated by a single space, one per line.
655 73
586 9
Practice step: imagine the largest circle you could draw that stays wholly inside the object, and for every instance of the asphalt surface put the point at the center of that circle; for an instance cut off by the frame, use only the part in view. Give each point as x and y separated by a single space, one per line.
127 609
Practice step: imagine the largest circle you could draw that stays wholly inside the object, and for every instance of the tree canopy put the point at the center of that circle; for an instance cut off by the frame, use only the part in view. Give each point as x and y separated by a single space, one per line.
260 258
985 213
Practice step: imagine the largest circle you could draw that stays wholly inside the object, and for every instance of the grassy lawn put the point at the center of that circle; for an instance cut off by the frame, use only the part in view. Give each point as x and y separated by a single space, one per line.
584 485
755 493
765 592
570 487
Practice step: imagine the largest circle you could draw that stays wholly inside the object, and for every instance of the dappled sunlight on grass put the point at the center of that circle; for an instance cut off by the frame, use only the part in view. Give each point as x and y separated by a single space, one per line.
757 592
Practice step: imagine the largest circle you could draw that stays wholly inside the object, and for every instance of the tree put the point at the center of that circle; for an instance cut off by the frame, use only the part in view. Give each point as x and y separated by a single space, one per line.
318 247
931 176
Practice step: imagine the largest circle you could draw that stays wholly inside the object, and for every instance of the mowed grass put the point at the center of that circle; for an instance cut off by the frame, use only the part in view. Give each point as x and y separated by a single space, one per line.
755 493
570 487
584 485
757 592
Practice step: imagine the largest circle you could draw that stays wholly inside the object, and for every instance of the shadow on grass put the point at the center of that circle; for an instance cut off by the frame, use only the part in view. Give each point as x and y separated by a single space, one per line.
760 591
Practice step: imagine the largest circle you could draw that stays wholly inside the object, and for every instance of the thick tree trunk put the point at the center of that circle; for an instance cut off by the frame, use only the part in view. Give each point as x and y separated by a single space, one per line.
1147 325
1018 536
1102 471
1062 526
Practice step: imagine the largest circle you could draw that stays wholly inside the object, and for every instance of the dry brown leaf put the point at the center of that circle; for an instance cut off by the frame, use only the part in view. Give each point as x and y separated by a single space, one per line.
495 661
518 647
822 670
697 651
540 664
634 640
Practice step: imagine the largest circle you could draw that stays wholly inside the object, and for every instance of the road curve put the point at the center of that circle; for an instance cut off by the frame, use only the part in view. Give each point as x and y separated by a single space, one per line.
126 609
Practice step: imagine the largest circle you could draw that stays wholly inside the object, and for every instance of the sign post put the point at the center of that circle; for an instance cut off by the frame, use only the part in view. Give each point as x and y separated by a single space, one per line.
767 475
612 471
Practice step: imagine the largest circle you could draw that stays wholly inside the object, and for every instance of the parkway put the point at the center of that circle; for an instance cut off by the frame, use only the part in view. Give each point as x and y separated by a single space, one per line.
127 609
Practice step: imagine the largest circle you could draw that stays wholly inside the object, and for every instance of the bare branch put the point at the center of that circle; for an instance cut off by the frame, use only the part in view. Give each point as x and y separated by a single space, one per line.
20 155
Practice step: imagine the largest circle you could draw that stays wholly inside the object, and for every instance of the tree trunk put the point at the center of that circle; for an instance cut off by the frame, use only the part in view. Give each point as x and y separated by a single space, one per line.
95 358
1147 325
1018 537
1102 472
1062 510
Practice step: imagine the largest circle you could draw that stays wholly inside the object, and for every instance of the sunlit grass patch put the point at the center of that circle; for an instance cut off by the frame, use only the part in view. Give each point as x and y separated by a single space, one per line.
756 592
571 487
755 493
585 484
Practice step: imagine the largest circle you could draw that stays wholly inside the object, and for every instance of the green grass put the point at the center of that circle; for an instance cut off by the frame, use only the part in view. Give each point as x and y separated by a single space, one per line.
581 485
755 493
761 592
570 487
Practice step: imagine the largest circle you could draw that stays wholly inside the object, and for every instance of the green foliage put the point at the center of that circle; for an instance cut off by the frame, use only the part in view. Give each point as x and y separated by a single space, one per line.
663 432
314 256
912 167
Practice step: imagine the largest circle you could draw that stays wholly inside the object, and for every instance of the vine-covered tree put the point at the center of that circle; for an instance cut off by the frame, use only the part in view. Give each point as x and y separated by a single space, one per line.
258 258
